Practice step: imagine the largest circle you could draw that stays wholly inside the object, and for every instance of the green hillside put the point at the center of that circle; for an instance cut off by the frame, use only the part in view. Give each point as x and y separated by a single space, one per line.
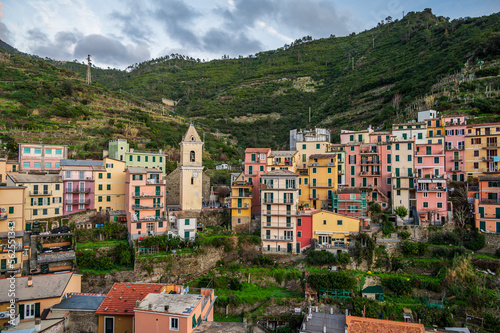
43 103
349 82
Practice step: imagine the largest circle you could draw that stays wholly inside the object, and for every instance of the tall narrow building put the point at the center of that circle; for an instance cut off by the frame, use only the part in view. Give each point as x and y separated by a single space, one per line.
191 169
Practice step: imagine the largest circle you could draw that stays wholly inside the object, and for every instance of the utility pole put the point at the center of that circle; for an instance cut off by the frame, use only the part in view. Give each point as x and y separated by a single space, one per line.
309 114
89 77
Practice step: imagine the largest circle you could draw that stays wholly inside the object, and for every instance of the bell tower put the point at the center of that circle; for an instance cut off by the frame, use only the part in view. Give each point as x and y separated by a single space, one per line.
191 170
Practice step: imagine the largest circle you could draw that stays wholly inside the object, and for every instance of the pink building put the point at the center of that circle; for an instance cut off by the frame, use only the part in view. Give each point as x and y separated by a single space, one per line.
41 157
145 202
455 147
78 184
174 312
255 167
431 183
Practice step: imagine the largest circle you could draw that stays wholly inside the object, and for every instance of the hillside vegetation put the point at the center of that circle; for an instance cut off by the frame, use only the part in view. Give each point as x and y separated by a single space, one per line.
376 77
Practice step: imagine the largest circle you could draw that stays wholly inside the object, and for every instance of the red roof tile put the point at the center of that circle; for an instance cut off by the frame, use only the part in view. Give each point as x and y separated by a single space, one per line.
362 324
257 150
121 299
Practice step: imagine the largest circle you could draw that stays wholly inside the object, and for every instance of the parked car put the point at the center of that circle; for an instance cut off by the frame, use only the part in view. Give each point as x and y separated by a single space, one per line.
61 229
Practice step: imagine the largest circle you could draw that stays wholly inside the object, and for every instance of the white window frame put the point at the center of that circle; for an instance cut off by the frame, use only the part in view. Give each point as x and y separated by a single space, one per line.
113 318
170 326
425 194
27 308
439 195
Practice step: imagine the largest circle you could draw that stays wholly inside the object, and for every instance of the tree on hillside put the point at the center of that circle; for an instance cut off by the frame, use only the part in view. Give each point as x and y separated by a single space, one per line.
401 211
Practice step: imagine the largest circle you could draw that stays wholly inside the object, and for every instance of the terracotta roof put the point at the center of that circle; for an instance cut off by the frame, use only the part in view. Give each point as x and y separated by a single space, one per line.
323 155
81 163
494 178
121 299
191 135
363 324
142 170
281 173
348 190
257 150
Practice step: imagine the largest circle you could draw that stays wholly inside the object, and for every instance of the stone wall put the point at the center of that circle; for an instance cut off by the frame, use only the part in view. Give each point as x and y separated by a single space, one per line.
68 219
213 217
83 322
492 243
243 226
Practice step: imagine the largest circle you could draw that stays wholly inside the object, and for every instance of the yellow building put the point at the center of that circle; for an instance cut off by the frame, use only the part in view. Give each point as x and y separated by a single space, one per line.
191 169
241 204
37 293
110 185
435 130
43 195
482 149
308 148
282 160
7 166
323 179
304 190
333 230
12 228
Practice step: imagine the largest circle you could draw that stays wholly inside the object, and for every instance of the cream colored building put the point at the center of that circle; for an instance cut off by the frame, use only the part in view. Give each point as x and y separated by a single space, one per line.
12 221
191 169
403 173
43 195
110 185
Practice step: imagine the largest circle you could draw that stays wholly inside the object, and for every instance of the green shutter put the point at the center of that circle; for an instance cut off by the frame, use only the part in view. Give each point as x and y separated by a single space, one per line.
21 311
194 321
481 211
37 310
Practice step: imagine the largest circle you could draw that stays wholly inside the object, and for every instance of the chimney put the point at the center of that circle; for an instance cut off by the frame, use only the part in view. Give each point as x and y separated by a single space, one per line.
166 308
30 281
150 306
38 324
137 303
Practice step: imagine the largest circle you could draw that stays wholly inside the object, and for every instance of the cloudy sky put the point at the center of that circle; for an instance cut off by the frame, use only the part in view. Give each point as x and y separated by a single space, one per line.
120 33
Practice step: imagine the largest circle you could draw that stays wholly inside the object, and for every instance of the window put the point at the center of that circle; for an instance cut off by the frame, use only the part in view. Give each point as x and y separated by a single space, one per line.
339 222
389 168
397 158
419 160
306 181
329 170
318 146
397 146
56 211
130 158
108 187
476 153
426 204
192 156
388 146
250 169
425 194
261 168
108 198
299 222
27 150
58 151
409 158
38 165
439 205
299 233
44 211
186 221
409 146
26 164
35 211
100 175
138 226
11 210
419 136
389 158
108 175
58 165
475 141
436 160
476 165
389 181
138 158
324 222
48 151
100 187
314 170
48 165
38 151
99 199
146 158
440 195
351 138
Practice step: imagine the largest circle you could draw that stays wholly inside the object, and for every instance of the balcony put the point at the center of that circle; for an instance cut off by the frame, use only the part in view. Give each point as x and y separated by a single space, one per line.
147 207
321 185
242 195
455 148
488 158
368 173
369 151
151 219
489 201
35 193
491 145
367 162
453 169
433 153
490 170
78 190
246 205
78 202
154 182
276 250
432 189
3 216
16 247
331 164
278 225
147 195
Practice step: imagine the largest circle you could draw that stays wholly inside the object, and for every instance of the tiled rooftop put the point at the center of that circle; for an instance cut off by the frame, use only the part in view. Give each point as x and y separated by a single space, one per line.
362 325
121 299
170 303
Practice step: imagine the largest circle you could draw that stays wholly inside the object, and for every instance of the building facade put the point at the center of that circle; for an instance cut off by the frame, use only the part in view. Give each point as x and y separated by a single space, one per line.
241 204
487 206
323 177
41 157
109 188
78 184
279 211
255 167
482 149
191 169
119 149
145 202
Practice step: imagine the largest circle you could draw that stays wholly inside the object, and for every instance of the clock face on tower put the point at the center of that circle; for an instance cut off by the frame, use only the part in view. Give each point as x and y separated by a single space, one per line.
195 174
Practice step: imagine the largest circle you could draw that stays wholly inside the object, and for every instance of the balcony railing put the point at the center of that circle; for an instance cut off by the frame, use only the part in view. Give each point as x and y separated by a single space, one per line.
432 189
154 181
146 195
33 193
490 201
242 195
276 250
367 162
490 170
3 216
78 190
78 202
460 147
492 145
151 219
146 207
278 225
332 164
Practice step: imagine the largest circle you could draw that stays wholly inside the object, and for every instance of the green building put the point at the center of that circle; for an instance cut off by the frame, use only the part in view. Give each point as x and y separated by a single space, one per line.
120 150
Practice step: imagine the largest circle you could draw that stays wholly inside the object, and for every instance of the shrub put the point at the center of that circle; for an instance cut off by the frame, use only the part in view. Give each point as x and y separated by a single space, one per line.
474 241
321 258
404 234
414 249
234 284
435 316
399 286
343 258
263 261
388 227
397 263
332 280
497 253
